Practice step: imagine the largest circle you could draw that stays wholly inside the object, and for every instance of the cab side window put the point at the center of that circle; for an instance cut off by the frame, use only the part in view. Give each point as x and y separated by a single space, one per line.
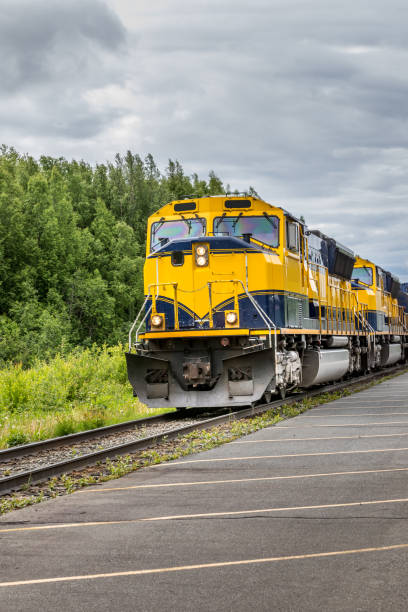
292 236
379 279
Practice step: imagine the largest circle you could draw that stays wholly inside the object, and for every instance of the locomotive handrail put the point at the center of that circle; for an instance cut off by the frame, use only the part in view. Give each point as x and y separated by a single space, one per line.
365 324
263 314
136 320
266 319
403 318
150 294
344 301
149 310
340 301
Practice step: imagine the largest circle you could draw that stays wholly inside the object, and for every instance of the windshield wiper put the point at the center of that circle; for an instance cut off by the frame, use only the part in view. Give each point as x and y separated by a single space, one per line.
159 224
236 221
360 282
188 222
220 220
269 219
202 221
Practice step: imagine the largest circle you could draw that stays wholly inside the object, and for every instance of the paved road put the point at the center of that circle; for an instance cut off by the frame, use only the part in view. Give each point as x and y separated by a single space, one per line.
311 514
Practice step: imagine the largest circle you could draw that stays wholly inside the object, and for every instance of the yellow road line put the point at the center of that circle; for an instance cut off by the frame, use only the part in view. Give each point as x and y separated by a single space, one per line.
386 404
238 480
207 515
200 566
378 414
342 425
395 435
387 397
285 456
382 404
351 406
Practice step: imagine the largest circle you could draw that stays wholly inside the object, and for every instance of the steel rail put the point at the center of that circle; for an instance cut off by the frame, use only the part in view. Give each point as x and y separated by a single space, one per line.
24 450
27 449
38 475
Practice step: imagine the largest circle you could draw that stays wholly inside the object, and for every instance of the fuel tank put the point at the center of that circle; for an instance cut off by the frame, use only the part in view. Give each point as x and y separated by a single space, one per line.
335 342
390 353
324 365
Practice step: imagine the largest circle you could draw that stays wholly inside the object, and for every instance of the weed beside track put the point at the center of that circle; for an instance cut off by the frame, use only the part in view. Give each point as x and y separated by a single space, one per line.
193 442
85 390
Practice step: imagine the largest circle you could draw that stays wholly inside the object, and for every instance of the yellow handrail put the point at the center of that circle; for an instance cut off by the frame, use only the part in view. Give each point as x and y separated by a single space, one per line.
176 317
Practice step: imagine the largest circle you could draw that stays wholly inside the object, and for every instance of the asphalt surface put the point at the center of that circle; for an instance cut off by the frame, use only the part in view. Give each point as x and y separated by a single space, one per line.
311 514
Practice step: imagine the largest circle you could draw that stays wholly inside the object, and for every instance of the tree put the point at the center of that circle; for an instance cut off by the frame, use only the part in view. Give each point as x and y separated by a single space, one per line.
72 244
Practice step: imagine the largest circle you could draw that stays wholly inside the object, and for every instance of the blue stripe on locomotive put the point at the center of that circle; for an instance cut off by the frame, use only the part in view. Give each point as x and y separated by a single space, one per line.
284 309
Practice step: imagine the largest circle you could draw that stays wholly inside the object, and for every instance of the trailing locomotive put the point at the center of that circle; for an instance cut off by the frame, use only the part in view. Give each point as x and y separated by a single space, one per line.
242 301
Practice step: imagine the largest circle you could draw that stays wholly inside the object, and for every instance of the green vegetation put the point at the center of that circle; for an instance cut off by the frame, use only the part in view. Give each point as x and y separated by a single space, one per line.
85 390
72 245
194 442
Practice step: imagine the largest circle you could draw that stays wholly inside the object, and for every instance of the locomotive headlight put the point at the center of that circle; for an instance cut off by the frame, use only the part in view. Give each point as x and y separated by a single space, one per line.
231 318
157 320
201 255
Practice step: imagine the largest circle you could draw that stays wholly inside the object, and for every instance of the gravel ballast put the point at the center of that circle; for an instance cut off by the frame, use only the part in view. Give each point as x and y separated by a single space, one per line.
45 457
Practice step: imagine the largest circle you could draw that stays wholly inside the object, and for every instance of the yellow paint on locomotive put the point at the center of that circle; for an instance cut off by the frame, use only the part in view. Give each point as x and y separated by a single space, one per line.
286 268
256 271
373 297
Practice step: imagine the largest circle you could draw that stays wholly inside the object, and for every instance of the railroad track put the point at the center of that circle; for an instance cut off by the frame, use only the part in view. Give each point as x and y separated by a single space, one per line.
76 451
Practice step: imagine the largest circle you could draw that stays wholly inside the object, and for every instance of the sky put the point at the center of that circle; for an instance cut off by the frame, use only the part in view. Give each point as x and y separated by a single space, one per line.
305 100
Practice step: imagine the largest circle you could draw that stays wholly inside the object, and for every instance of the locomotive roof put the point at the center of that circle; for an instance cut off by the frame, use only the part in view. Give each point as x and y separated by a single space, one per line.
255 198
229 196
363 260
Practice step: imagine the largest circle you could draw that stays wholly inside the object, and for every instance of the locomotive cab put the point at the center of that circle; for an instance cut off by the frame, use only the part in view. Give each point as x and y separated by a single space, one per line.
202 263
377 291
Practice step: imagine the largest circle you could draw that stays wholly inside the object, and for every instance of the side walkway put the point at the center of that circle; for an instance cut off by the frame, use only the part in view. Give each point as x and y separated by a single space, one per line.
309 514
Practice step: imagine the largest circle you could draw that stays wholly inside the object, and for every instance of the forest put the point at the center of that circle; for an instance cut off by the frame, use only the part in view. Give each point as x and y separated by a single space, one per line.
72 245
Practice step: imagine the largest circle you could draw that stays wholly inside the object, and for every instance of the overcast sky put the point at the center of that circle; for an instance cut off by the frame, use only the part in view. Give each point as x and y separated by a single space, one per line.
306 100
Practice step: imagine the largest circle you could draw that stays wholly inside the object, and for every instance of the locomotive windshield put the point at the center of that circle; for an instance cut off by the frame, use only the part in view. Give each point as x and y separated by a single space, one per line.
265 229
163 231
364 275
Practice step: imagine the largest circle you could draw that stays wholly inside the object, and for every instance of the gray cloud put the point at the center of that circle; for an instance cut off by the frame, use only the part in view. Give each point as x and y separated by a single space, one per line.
303 100
46 43
53 53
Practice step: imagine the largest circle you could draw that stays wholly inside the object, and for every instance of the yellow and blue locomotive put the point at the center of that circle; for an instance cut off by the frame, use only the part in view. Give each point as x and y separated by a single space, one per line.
242 301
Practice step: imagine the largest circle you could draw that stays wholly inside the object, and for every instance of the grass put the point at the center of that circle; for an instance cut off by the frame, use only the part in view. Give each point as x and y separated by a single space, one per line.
88 389
193 442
